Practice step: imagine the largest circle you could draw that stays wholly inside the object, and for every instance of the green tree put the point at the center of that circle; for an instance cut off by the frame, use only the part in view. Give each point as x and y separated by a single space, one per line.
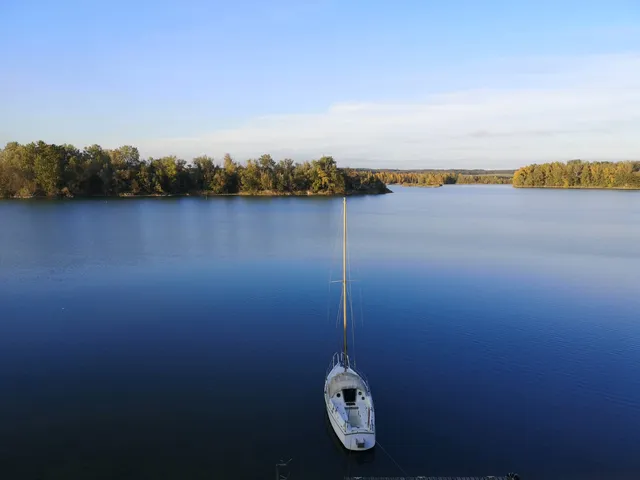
97 178
203 172
250 177
231 174
18 170
267 174
144 182
125 164
325 176
302 177
284 175
47 167
165 174
72 171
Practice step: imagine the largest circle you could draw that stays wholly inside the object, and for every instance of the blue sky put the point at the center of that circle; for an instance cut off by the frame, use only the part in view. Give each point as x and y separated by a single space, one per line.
374 83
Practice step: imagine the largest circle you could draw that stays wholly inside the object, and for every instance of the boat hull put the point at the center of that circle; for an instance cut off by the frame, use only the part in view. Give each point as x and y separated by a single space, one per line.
358 433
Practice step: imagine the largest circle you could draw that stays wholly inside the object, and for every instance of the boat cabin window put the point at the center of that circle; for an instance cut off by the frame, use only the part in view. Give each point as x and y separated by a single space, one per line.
349 395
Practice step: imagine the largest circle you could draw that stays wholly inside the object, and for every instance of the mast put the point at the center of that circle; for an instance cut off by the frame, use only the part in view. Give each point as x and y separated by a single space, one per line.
344 278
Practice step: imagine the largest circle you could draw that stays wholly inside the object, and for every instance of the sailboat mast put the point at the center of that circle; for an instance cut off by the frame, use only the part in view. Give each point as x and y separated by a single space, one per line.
344 277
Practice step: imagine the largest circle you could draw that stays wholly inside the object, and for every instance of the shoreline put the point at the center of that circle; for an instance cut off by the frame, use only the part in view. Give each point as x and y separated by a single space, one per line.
575 187
199 195
414 185
449 184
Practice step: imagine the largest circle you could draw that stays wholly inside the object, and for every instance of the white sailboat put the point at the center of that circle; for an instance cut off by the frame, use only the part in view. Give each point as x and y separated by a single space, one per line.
346 392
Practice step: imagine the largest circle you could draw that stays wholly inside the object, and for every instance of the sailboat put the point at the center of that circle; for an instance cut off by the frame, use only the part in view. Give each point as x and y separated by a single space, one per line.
346 391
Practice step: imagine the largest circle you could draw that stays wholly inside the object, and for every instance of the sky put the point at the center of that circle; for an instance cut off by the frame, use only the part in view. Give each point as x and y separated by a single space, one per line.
395 84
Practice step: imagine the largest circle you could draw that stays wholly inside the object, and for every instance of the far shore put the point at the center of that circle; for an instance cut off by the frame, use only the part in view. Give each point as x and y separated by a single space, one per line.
449 184
414 185
577 187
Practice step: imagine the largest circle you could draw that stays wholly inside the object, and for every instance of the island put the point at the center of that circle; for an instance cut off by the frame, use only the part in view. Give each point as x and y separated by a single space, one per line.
48 170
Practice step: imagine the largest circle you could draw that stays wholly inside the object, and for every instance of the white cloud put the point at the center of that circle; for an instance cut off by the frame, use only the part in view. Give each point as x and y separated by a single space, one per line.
585 108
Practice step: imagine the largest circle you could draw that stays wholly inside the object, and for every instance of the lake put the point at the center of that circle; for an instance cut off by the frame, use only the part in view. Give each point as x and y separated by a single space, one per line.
188 338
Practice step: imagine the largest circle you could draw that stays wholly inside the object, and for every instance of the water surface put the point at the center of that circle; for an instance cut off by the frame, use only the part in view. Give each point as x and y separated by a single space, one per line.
189 338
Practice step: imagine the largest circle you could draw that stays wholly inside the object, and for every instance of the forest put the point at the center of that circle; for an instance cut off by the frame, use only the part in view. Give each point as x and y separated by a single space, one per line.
42 169
579 174
434 178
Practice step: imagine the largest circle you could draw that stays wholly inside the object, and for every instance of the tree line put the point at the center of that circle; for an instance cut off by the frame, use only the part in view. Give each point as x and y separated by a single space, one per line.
485 179
42 169
437 178
579 174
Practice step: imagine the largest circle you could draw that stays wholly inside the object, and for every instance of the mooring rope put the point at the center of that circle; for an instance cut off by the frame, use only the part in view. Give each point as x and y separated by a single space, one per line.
392 459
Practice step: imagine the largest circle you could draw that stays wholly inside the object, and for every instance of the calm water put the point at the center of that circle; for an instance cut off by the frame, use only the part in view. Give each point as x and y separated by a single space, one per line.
189 338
